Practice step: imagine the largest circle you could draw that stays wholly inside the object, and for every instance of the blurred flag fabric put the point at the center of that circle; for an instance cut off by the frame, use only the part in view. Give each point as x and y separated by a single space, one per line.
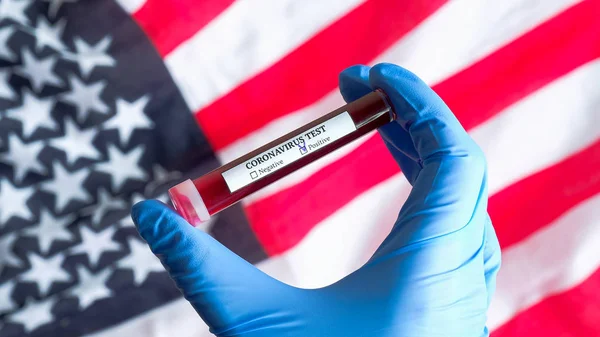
105 103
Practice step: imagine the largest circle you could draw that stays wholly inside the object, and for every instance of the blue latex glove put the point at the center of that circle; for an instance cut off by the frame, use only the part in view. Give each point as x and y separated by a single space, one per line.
432 276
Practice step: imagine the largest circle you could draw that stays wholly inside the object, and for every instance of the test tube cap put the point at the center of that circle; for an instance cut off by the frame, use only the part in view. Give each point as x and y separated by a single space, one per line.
188 203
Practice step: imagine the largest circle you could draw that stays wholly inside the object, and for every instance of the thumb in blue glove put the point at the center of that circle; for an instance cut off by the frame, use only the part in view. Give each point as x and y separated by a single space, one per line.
433 275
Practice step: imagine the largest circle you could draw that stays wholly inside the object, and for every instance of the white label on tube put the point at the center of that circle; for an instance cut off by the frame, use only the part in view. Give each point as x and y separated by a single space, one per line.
289 151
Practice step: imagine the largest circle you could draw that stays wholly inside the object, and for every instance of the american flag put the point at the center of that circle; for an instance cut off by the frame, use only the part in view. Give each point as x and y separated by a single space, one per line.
104 103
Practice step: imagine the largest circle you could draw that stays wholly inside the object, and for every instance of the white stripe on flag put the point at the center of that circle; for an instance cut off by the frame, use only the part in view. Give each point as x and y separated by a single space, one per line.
347 239
464 31
550 261
245 39
542 129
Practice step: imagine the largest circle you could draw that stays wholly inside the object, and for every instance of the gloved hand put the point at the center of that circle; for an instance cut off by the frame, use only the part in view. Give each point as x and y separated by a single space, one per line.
433 275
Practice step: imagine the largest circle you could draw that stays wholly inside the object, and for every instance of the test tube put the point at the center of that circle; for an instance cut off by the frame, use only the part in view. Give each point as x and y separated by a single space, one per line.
198 200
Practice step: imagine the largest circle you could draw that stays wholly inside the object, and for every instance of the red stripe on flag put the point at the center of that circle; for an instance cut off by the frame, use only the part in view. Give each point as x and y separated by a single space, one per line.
573 313
524 207
297 80
169 23
578 44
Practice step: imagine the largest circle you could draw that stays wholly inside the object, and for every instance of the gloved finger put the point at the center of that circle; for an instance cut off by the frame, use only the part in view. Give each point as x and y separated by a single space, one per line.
399 143
354 83
492 258
223 288
451 187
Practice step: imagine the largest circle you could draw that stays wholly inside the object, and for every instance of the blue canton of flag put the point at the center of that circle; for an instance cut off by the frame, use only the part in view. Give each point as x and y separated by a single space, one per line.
90 123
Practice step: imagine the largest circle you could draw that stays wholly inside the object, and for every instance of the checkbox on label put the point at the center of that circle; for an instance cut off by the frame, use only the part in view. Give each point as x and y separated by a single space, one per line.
253 175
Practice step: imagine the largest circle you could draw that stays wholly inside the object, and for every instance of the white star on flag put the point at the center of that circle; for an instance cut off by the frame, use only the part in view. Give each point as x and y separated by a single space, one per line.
88 57
121 166
34 314
34 113
85 97
76 143
137 197
44 272
49 35
141 261
6 91
6 303
67 186
13 202
55 6
7 257
105 204
160 176
90 287
126 221
95 244
129 116
15 10
50 229
39 71
5 34
23 157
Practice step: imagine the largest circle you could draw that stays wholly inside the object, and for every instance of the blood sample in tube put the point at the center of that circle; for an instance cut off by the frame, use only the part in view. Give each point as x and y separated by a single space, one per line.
198 199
